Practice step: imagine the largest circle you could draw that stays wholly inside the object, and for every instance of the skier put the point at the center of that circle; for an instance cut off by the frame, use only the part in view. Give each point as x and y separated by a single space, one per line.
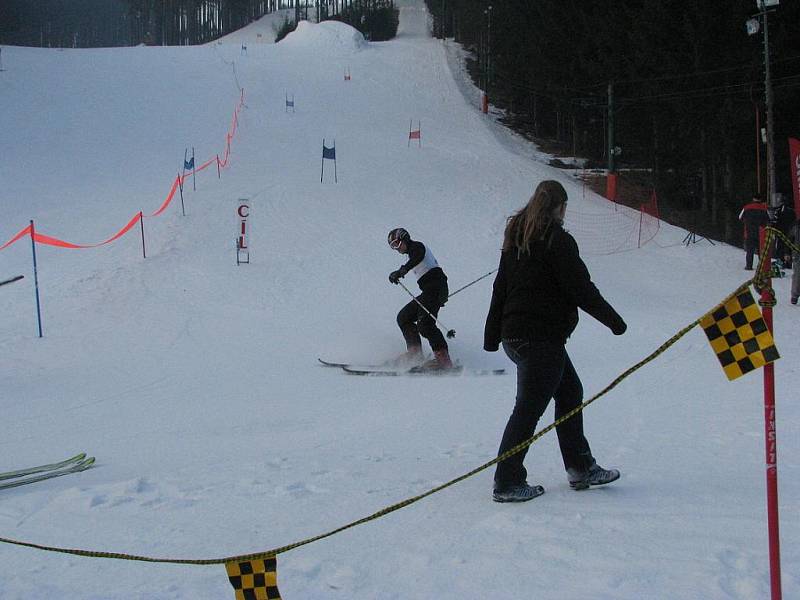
417 317
539 287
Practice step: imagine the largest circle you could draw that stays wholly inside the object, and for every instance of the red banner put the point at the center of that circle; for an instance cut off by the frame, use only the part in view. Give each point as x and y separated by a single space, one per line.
794 153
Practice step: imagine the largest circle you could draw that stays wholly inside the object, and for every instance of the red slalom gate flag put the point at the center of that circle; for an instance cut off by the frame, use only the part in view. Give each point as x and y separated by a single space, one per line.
794 153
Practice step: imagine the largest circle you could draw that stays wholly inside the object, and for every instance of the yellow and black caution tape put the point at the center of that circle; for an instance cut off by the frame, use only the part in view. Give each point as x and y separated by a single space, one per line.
268 554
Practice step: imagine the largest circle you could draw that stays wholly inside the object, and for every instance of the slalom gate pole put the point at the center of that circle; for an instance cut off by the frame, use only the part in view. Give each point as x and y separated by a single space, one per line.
36 279
141 223
218 173
472 283
451 333
194 169
180 186
767 301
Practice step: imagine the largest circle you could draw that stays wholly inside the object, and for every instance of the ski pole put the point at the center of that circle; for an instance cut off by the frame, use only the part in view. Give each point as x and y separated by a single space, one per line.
472 283
451 333
12 280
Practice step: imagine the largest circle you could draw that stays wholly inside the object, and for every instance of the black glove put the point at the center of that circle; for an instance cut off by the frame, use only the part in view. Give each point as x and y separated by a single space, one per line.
395 276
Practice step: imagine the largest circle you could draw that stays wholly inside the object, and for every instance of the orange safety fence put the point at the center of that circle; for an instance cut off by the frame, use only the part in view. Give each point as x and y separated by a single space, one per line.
179 180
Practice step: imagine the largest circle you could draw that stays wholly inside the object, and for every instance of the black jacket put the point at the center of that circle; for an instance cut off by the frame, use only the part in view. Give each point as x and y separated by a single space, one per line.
537 295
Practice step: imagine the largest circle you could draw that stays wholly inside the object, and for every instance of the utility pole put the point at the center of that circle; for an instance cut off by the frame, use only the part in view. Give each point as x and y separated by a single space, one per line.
767 300
772 187
611 178
611 149
488 12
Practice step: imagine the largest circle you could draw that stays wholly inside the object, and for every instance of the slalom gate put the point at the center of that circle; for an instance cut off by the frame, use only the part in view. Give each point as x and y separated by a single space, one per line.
737 332
177 185
41 238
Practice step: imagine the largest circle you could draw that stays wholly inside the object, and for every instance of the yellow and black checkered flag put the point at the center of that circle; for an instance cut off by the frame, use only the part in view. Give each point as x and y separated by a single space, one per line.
254 579
739 335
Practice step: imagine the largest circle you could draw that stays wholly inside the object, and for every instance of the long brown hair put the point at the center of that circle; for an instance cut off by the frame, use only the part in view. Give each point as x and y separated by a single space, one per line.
532 222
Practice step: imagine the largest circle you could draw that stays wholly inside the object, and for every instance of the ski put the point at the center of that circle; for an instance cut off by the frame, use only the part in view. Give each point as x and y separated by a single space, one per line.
384 365
51 467
418 372
12 280
74 468
333 364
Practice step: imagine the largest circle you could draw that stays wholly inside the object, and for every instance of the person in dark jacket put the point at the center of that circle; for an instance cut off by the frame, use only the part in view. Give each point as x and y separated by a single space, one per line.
784 222
794 235
754 216
416 318
540 284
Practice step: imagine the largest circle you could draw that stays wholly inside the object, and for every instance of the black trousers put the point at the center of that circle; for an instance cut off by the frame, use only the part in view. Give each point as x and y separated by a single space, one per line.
414 321
544 371
751 246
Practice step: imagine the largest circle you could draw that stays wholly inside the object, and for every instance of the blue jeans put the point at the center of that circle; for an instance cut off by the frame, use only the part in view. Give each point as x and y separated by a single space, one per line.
544 371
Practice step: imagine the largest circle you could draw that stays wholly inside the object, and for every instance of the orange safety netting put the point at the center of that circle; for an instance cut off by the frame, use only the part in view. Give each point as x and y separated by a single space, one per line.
179 180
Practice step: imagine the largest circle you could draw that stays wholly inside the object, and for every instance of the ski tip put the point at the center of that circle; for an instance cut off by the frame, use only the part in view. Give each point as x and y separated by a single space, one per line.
327 363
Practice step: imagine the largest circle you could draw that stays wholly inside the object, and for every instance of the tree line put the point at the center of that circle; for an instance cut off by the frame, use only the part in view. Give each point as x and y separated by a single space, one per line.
105 23
685 80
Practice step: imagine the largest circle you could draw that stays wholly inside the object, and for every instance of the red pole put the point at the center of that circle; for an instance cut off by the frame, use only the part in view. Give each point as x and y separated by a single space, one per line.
771 444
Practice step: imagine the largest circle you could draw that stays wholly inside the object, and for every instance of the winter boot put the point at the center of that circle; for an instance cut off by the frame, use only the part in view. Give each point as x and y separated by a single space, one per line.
594 475
517 493
440 361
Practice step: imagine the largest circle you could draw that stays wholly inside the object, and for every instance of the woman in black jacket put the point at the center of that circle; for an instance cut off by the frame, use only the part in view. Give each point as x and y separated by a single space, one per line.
539 287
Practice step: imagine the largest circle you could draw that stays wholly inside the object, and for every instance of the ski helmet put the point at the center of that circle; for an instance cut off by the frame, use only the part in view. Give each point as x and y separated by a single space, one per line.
396 236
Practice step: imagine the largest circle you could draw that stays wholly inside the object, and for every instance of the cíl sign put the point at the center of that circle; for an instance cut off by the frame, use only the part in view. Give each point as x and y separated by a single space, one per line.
243 231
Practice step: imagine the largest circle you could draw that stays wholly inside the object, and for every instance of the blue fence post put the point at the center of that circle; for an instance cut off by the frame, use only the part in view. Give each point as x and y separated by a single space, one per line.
36 279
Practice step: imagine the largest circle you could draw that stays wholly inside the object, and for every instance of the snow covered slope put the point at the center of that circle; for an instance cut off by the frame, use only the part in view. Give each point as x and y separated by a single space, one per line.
195 382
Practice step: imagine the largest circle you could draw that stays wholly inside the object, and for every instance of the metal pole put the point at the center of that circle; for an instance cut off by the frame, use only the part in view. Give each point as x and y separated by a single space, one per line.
772 187
36 279
489 48
141 224
471 283
758 149
611 166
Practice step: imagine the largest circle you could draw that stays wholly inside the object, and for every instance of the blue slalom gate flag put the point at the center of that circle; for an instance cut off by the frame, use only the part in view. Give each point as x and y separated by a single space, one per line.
329 152
188 164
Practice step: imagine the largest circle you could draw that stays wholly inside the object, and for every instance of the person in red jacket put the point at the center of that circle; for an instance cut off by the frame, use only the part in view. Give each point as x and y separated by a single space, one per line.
540 285
754 216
